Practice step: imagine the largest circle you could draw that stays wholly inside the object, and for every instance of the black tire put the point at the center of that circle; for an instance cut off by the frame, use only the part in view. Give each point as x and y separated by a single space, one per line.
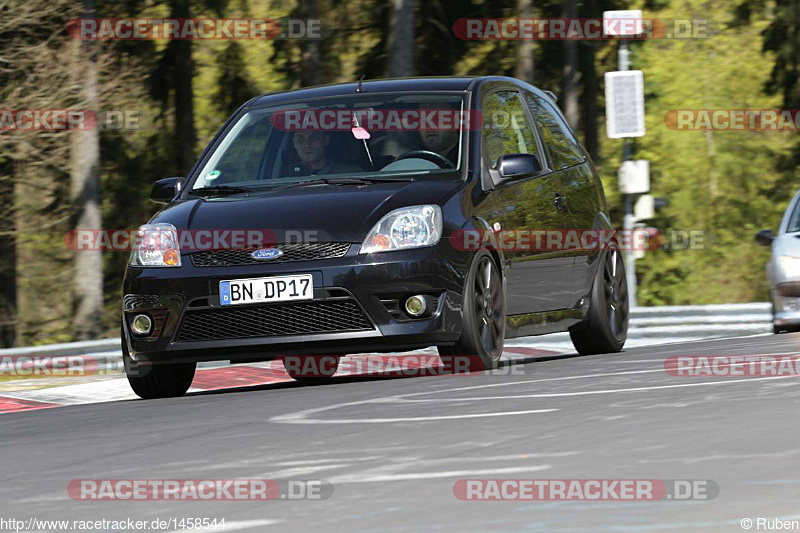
605 328
312 370
150 381
483 315
775 329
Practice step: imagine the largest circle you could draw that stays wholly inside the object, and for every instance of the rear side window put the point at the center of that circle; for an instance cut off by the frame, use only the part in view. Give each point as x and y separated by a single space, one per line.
506 126
562 146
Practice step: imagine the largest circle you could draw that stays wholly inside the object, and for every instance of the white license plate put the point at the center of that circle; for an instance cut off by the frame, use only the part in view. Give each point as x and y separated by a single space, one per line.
272 289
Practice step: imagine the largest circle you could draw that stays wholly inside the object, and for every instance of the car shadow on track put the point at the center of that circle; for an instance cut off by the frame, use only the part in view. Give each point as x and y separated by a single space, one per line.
504 368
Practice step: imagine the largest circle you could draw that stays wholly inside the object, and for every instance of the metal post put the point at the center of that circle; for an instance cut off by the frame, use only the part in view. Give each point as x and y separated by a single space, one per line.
630 260
623 57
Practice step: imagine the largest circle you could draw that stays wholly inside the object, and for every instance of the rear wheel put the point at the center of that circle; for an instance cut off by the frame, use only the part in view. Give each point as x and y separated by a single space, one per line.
150 381
605 328
312 370
483 315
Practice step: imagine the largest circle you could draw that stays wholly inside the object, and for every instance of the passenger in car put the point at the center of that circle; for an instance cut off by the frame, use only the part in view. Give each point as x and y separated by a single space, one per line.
311 148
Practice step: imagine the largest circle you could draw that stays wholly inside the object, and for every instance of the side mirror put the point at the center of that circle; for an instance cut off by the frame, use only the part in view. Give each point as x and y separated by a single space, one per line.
165 190
765 237
518 166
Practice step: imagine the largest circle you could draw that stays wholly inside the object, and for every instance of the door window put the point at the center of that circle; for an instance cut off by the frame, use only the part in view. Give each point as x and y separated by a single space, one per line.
563 148
506 126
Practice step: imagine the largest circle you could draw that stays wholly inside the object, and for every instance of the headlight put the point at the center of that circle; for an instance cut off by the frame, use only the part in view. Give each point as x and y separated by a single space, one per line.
789 265
409 227
156 245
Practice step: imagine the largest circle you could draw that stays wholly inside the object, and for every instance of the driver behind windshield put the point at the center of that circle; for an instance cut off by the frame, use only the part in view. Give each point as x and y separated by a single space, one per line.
311 148
441 141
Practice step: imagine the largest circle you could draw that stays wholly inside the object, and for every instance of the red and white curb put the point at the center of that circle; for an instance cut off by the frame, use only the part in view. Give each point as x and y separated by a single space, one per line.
228 377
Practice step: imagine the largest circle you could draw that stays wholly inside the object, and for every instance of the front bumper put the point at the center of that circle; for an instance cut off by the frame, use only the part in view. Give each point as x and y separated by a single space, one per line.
373 282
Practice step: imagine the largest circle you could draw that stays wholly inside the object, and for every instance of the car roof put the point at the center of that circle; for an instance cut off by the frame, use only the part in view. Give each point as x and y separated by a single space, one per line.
412 85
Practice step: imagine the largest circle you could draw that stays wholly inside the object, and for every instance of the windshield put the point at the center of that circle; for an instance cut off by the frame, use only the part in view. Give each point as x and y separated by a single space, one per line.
794 221
375 137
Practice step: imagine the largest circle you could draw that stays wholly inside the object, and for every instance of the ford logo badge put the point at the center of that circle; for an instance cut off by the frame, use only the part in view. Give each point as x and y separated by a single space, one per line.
266 253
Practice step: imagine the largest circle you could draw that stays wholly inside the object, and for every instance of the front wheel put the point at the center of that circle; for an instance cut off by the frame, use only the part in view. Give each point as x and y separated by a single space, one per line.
483 315
150 381
605 328
776 329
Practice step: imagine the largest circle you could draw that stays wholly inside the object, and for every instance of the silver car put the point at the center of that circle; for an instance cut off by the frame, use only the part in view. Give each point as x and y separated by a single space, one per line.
783 269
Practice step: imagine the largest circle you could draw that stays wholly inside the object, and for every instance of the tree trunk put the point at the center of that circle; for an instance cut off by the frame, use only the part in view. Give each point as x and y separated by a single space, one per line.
524 69
589 78
713 176
8 271
85 195
311 68
401 39
185 135
791 95
570 70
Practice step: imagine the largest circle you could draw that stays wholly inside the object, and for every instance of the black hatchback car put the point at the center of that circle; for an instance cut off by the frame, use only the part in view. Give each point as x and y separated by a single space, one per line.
391 215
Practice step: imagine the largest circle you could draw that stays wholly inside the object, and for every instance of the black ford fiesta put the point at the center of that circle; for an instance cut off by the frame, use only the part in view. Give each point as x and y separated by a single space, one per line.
379 216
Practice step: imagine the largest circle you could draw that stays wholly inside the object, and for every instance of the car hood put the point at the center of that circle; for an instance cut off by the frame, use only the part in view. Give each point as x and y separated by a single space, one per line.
337 213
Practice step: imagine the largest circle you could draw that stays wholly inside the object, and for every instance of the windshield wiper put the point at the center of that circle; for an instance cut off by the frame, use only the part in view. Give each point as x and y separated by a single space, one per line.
342 181
219 190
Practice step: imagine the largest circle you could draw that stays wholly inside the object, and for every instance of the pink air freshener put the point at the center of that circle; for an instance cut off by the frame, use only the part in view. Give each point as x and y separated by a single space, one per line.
359 132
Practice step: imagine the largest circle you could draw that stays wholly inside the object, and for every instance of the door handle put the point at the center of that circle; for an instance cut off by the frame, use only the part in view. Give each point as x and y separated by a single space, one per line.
560 202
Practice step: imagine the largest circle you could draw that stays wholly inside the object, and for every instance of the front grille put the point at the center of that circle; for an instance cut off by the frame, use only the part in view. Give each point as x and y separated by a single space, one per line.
305 318
291 252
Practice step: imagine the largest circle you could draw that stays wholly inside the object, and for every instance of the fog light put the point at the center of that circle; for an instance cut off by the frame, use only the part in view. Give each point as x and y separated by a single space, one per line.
415 305
141 325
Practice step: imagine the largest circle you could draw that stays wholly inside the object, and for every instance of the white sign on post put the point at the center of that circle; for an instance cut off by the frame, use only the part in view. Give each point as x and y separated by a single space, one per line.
624 104
622 23
644 208
634 177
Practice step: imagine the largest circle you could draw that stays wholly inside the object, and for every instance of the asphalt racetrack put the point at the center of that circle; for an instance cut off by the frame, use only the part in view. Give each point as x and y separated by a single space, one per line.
392 449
